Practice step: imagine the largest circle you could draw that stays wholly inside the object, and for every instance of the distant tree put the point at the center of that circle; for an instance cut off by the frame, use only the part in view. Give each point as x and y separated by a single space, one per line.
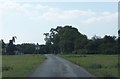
118 41
3 46
48 42
37 48
43 49
13 38
108 45
119 33
92 47
11 47
105 45
47 39
28 48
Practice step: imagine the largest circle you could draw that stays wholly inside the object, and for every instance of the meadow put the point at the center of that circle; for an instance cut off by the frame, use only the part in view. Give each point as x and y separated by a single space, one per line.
98 65
20 65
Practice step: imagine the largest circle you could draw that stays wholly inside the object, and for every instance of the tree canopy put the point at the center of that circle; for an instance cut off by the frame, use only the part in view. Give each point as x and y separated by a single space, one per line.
68 39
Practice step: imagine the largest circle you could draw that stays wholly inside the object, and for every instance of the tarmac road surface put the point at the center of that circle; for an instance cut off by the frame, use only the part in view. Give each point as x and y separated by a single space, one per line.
55 66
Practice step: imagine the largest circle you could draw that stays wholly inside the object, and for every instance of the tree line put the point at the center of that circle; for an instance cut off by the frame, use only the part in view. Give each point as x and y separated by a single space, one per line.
66 40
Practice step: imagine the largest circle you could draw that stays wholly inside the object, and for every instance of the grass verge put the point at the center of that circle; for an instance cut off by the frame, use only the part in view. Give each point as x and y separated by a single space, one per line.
20 65
98 65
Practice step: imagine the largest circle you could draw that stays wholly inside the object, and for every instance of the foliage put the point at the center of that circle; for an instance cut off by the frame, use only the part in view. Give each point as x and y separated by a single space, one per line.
27 48
63 40
68 39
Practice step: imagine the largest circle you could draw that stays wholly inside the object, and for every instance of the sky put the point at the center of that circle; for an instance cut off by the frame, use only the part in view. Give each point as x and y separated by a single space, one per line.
29 20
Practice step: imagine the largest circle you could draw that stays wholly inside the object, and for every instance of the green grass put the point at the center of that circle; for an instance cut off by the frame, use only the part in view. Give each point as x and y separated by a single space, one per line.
0 66
20 65
98 65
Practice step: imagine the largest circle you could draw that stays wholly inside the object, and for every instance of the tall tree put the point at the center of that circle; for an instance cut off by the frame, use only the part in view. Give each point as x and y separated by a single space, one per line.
11 47
48 42
47 39
63 40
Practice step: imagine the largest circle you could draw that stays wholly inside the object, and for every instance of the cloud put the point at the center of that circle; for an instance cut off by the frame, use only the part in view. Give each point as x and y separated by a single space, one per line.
106 13
104 17
10 6
7 7
54 14
42 12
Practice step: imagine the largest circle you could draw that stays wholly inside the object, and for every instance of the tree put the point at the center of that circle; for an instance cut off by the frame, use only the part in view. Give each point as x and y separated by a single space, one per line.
48 42
54 37
118 41
119 33
107 45
47 39
63 40
71 39
13 38
3 46
28 48
43 49
68 39
11 47
37 48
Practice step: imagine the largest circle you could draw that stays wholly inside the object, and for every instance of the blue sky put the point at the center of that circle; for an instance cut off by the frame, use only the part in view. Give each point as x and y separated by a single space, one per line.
29 20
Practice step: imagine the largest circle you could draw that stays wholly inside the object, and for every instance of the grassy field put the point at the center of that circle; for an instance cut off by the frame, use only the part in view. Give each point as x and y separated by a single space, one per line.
98 65
0 66
20 65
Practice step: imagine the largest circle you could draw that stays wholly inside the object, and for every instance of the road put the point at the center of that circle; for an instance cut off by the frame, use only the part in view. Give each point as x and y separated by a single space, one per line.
55 66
